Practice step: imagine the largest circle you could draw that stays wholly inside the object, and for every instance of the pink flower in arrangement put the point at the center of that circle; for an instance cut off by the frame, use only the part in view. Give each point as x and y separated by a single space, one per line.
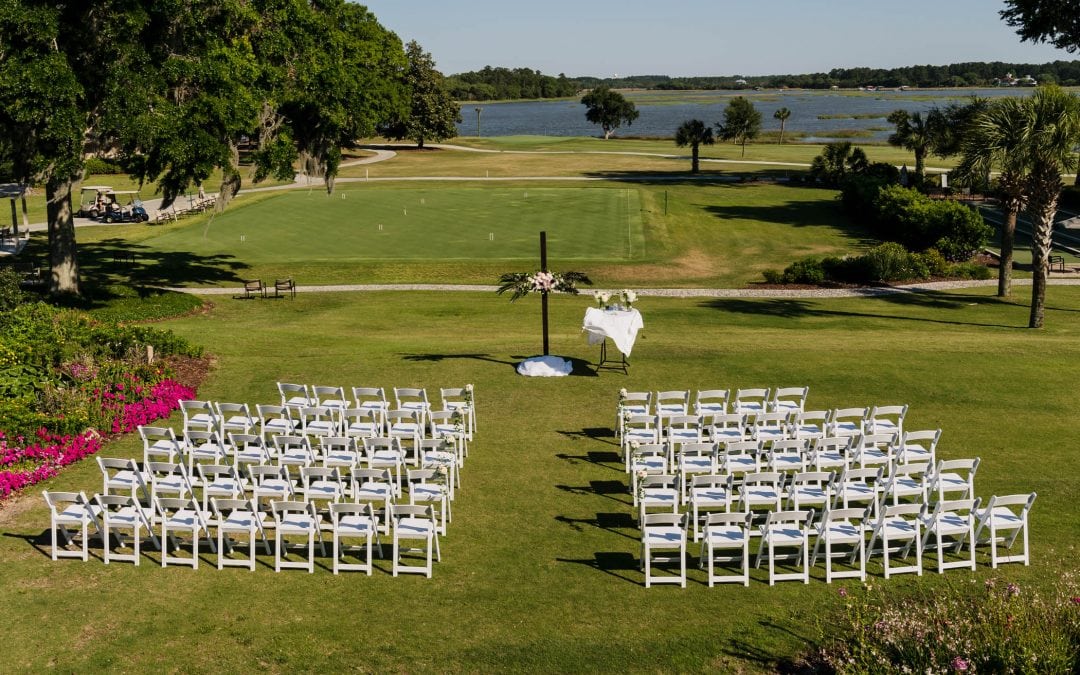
960 664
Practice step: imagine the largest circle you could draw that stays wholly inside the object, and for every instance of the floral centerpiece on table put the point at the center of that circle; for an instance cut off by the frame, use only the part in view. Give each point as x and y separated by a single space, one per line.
629 297
521 284
602 298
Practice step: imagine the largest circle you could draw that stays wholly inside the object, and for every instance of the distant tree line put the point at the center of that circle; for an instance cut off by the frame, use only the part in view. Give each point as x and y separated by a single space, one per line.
492 84
506 84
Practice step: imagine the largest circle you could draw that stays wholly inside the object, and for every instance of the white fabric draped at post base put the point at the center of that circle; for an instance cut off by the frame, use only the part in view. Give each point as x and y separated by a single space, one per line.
621 326
545 366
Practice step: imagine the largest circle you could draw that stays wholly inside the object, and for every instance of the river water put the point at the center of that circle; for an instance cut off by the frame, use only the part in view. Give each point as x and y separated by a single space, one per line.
662 112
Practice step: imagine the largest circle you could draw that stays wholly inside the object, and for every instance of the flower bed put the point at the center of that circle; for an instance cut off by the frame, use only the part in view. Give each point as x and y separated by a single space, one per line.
25 462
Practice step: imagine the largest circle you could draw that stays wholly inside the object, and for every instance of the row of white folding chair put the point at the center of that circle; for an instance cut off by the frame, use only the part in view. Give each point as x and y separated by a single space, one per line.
160 443
114 515
713 401
269 482
776 490
374 399
842 533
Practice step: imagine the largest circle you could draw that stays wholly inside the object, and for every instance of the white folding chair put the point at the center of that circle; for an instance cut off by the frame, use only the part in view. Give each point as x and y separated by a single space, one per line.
789 399
222 481
330 397
709 493
670 403
425 488
951 523
461 399
450 424
414 523
728 427
919 446
354 521
810 424
726 532
810 488
296 519
873 450
664 532
198 416
739 457
271 483
680 429
123 475
119 514
319 421
159 444
374 486
373 400
238 517
788 455
294 451
202 447
843 527
275 420
899 529
907 481
168 479
761 490
295 395
848 421
414 399
887 419
362 423
711 402
177 515
235 418
67 510
631 403
649 459
1000 523
692 459
443 456
407 426
954 476
247 449
321 484
339 452
858 486
786 530
771 426
641 429
830 453
751 402
386 453
658 492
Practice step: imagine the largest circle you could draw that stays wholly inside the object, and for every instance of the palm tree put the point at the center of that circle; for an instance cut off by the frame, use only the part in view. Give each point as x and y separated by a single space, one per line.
916 133
1053 131
693 133
782 114
996 140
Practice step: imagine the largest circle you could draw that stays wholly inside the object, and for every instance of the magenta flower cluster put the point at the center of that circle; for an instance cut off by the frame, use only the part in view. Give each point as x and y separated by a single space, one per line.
25 462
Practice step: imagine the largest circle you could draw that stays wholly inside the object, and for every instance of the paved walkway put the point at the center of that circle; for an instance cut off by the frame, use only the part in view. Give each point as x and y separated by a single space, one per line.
760 293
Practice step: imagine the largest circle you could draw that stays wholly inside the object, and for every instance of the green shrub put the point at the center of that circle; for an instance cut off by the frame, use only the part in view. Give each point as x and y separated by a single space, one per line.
773 277
889 262
962 231
807 271
970 270
936 264
97 165
11 295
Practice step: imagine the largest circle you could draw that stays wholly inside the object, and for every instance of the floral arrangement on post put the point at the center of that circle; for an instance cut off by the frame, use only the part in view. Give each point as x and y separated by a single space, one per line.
523 283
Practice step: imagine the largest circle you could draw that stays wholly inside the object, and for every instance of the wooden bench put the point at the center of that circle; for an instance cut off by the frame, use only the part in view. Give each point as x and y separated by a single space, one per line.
253 287
282 286
1058 261
123 258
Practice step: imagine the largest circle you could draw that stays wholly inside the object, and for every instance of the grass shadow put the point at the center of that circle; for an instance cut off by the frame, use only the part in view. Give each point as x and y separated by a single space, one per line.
709 176
605 434
795 213
791 308
770 661
608 489
610 562
41 543
612 522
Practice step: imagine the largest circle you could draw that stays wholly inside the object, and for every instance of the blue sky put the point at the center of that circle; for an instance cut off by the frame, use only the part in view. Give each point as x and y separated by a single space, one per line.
700 37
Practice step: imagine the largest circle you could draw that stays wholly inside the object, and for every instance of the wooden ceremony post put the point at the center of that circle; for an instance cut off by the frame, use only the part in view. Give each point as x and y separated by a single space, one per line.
544 295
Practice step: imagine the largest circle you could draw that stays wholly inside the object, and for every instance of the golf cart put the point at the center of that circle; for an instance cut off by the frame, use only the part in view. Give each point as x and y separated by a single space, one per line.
132 212
93 200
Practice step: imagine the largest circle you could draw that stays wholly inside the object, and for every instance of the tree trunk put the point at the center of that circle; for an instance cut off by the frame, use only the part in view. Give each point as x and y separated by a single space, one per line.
63 260
420 143
694 166
1008 236
744 146
1042 206
781 132
607 133
920 167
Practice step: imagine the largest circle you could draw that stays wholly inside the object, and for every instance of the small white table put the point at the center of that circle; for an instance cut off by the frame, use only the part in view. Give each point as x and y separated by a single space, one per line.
621 325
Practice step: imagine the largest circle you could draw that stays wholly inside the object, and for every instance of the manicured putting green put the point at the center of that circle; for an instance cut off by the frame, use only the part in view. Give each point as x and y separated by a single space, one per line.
422 224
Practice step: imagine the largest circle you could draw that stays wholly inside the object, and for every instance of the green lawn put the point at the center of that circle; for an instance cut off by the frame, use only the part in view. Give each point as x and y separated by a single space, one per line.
540 566
437 223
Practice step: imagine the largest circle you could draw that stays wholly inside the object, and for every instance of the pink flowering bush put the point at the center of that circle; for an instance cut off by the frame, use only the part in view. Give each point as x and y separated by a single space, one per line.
26 463
955 627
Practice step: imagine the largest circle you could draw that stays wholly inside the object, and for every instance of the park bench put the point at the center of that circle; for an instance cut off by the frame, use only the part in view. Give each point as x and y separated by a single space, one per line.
253 287
1057 263
283 286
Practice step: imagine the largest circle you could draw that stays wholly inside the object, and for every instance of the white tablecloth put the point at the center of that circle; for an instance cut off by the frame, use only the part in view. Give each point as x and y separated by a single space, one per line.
621 326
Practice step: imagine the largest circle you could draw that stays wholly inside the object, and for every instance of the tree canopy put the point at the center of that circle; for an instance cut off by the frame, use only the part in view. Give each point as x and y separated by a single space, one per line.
169 89
609 109
694 133
431 112
742 122
1050 21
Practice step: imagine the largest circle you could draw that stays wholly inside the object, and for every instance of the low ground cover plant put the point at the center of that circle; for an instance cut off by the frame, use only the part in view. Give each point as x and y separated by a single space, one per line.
888 262
66 379
994 626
